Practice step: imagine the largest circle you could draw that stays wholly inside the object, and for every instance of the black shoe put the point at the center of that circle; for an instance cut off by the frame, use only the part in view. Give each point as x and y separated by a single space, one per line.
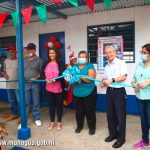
117 144
110 138
78 130
91 132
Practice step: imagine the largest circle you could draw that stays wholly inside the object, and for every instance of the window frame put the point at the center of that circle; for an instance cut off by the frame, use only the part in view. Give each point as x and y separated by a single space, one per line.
111 24
7 37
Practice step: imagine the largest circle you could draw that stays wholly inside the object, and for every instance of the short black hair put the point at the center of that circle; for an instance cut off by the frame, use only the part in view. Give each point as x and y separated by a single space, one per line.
147 47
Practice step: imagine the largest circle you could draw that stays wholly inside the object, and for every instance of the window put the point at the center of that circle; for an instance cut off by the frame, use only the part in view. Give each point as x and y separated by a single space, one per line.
126 30
7 41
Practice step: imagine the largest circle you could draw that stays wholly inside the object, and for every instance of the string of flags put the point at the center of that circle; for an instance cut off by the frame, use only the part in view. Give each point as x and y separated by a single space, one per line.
26 13
42 11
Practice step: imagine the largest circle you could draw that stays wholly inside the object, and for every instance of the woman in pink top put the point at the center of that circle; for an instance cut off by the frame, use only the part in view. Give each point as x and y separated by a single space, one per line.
54 88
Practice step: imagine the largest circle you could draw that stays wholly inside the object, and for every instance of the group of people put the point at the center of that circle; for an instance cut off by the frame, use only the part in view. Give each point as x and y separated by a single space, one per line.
83 92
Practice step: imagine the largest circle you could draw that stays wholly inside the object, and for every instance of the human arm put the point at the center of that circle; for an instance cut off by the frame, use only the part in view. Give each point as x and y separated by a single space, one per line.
92 74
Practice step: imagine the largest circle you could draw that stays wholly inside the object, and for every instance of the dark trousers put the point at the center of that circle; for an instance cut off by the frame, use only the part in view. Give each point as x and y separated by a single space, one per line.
144 112
86 107
116 113
55 101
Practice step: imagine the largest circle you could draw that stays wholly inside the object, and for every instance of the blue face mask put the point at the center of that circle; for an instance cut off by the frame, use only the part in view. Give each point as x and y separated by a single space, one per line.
30 55
82 61
144 57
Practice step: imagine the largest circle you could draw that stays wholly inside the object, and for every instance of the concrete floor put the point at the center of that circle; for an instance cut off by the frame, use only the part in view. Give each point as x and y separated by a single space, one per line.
66 139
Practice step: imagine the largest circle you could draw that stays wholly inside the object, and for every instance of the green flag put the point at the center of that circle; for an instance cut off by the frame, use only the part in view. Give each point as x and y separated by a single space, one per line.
42 12
15 16
108 4
147 1
73 2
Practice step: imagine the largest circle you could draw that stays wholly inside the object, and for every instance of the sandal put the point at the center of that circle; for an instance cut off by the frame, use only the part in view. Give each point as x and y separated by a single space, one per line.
59 126
52 125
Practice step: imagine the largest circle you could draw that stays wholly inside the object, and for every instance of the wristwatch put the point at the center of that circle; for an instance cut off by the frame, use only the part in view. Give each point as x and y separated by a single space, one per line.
113 80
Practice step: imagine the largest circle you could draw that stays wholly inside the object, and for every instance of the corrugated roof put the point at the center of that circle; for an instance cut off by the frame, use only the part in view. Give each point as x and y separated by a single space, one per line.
67 9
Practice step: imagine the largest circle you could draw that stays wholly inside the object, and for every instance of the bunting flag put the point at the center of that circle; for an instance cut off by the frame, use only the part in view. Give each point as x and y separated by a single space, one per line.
73 2
58 2
108 4
90 4
42 12
147 1
3 18
15 16
26 12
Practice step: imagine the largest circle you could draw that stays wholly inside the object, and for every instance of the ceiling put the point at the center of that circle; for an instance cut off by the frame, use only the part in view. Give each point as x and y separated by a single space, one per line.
67 9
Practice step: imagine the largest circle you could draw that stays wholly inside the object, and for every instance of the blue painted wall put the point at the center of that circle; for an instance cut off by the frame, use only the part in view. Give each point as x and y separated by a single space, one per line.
101 102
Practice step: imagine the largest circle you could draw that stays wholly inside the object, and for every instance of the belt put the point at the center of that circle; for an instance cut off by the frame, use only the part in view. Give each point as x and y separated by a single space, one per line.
113 88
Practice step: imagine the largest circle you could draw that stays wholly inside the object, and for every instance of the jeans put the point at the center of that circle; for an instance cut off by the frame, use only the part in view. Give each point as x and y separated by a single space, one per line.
144 112
14 101
32 90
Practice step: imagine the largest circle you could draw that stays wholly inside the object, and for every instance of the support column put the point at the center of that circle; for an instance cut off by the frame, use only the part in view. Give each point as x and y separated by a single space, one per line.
24 132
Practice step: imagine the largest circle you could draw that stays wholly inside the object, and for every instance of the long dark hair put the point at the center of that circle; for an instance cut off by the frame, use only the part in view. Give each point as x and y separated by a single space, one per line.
147 47
58 54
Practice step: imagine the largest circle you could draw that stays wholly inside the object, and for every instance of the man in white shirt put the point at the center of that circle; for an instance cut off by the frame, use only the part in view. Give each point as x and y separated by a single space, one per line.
115 71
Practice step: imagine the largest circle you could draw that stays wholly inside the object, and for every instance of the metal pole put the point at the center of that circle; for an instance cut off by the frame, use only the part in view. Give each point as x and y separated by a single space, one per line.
23 133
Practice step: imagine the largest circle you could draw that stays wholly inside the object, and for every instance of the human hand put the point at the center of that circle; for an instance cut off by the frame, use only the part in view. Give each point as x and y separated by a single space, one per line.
33 78
134 84
3 131
101 85
5 75
50 80
143 85
106 82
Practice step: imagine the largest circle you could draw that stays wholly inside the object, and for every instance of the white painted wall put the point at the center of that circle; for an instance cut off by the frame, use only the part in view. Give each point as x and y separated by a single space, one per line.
75 29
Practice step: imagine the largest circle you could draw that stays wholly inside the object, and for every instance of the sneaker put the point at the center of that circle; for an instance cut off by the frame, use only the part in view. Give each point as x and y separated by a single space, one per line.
38 123
141 145
146 145
19 127
52 125
59 126
12 117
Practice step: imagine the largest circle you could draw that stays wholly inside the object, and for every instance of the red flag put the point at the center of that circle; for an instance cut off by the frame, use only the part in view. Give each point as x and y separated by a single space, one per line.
90 4
3 18
58 2
26 12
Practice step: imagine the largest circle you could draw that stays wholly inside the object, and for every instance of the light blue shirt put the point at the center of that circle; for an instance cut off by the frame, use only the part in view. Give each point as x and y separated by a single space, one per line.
141 75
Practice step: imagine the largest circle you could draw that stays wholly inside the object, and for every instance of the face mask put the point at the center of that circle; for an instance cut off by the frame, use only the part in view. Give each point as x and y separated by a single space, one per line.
30 55
82 61
144 57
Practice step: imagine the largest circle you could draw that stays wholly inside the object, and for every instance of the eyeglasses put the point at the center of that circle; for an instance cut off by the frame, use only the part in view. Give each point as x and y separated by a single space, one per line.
141 52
